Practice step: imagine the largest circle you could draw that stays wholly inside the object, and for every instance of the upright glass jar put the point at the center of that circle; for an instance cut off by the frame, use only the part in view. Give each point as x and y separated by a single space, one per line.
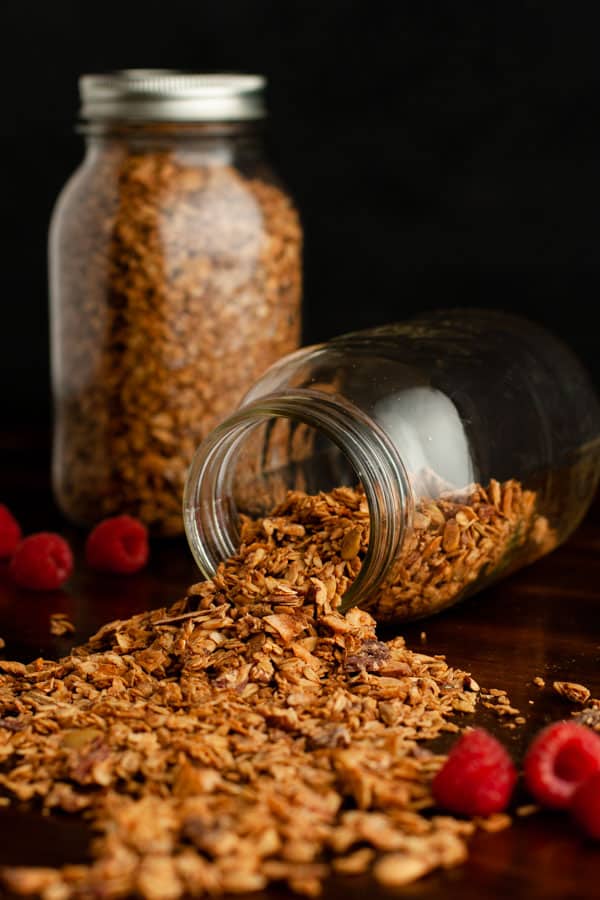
175 280
474 435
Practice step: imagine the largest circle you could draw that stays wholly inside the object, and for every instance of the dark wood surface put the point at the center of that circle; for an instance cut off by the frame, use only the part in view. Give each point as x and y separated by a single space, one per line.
543 621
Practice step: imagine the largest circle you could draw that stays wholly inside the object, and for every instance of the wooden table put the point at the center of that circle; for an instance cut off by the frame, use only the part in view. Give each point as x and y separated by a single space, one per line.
543 621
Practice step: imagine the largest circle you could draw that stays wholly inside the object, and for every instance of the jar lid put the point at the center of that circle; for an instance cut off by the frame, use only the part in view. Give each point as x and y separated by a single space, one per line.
169 95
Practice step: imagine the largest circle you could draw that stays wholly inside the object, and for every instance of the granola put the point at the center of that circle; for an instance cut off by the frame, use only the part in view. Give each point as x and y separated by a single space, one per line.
178 282
459 541
60 624
527 809
589 717
249 734
571 691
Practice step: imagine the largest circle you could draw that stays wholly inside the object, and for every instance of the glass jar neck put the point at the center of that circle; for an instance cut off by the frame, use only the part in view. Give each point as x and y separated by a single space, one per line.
238 144
109 128
210 517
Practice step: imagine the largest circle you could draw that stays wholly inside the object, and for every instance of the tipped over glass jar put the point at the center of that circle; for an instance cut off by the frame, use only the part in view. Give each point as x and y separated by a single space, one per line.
474 436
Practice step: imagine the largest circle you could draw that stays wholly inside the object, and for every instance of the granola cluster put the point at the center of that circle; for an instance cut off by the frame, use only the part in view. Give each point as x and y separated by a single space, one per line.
176 282
249 734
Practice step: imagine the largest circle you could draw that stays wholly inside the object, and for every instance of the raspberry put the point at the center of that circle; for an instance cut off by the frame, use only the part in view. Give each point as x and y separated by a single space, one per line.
478 777
585 806
118 544
42 562
558 760
10 532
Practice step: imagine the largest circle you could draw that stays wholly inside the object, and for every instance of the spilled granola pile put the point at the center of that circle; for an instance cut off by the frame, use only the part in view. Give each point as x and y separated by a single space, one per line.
249 734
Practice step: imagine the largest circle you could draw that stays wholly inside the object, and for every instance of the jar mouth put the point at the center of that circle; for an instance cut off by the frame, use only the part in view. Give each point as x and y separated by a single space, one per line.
209 513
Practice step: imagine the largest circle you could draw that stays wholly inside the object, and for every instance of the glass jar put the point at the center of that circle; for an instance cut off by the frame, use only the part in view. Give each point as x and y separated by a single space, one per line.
175 280
473 434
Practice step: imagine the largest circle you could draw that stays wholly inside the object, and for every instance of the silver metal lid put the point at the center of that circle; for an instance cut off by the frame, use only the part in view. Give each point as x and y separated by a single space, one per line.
168 95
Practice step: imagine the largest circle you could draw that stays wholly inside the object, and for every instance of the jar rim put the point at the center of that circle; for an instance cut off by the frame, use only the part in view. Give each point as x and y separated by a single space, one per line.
376 463
171 95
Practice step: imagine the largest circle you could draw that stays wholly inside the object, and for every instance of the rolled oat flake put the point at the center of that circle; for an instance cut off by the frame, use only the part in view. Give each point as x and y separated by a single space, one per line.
175 280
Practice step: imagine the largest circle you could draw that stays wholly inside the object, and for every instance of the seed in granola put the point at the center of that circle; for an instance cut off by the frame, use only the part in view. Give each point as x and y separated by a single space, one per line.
351 543
451 538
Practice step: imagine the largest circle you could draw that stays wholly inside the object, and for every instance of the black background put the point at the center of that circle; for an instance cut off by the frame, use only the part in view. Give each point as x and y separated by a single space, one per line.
440 154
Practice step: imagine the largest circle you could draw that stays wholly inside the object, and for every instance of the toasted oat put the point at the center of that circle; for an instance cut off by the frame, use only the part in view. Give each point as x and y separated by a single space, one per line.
539 681
355 863
570 690
495 822
60 624
396 869
498 702
12 667
249 734
27 880
527 809
2 643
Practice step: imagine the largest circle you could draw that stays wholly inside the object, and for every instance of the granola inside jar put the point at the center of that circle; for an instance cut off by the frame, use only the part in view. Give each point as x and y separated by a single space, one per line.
175 280
469 439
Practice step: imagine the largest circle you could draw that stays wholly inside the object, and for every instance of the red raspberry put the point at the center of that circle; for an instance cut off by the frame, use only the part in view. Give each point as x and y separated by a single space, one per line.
42 562
119 544
10 532
558 760
585 806
478 777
